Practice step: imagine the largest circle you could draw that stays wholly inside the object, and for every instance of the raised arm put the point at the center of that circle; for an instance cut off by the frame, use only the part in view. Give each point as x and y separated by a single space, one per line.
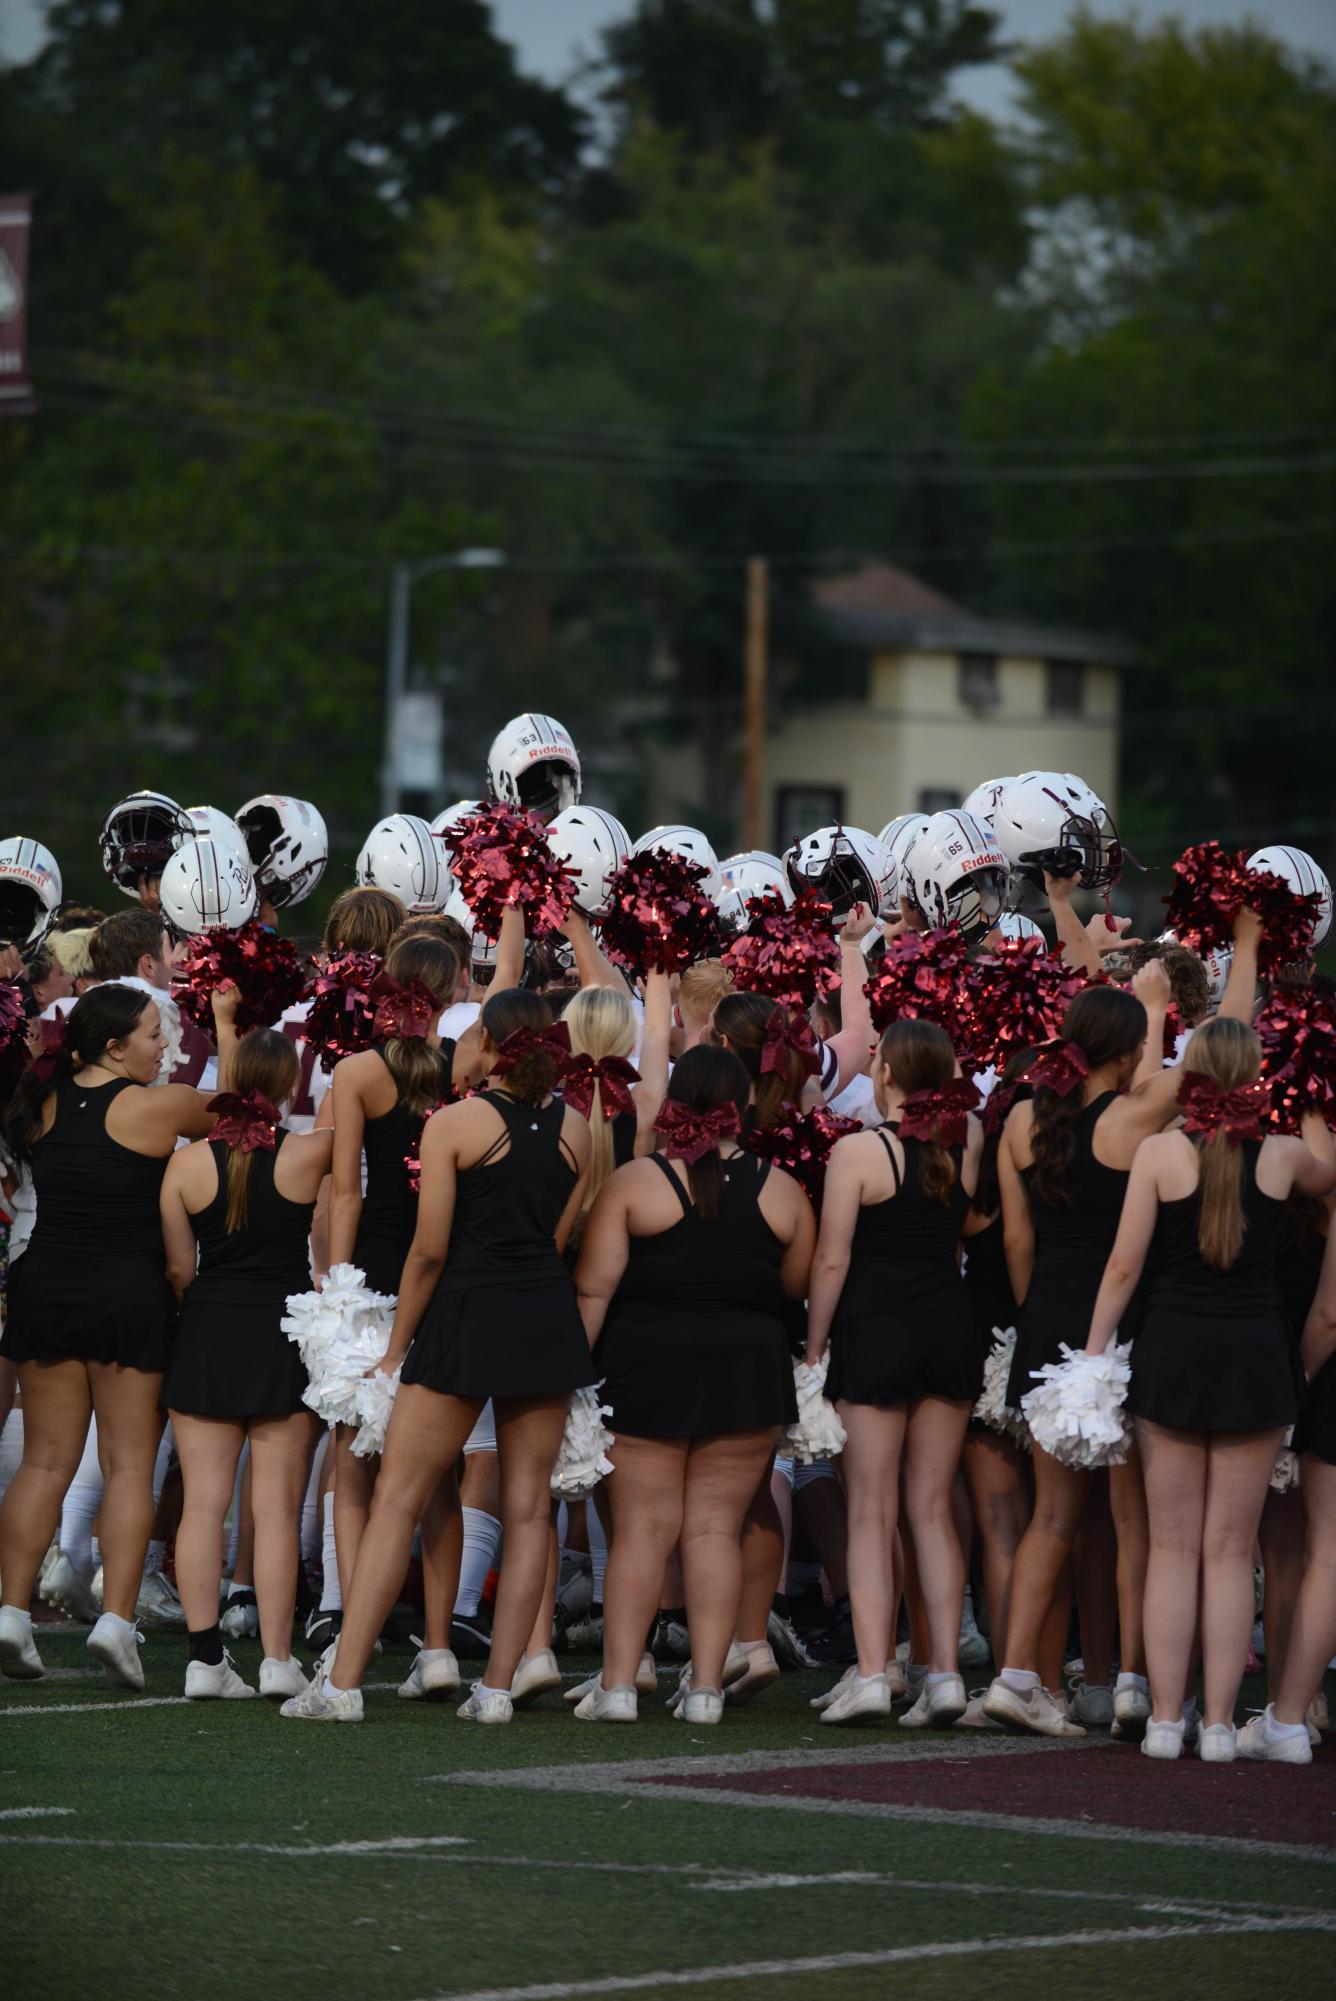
1074 941
591 961
1150 984
509 952
1128 1257
854 1043
652 1089
840 1204
1240 995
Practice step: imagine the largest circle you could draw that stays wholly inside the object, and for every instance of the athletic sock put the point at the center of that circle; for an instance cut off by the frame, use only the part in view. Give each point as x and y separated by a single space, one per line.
1021 1679
1274 1730
83 1498
235 1590
331 1596
748 1646
1125 1681
598 1552
944 1674
207 1646
20 1612
121 1625
482 1539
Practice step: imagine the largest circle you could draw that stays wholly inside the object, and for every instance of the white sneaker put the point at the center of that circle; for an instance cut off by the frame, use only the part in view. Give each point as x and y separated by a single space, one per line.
974 1650
241 1619
858 1701
433 1677
1318 1718
486 1705
281 1678
206 1683
1163 1740
96 1588
1092 1705
938 1703
1255 1740
895 1681
647 1678
536 1675
895 1676
68 1588
1131 1714
735 1668
19 1658
158 1604
48 1564
701 1705
341 1705
762 1668
975 1717
1034 1709
608 1705
1217 1744
117 1646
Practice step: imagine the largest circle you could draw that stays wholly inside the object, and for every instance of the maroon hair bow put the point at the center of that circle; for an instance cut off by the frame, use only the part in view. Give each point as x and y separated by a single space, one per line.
55 1043
1231 1115
1057 1066
785 1035
555 1040
248 1120
941 1114
689 1135
614 1077
999 1103
404 1010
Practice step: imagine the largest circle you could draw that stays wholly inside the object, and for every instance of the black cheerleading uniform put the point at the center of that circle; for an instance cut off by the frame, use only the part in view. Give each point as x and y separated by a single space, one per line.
695 1342
1072 1246
1212 1353
388 1220
1300 1270
904 1327
92 1284
503 1321
988 1283
231 1357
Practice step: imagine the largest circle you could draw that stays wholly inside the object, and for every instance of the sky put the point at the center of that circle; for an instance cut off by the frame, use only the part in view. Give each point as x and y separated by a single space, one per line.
551 35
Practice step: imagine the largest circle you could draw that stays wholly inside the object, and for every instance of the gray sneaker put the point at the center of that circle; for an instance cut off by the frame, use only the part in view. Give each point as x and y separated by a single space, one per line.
158 1604
486 1705
1036 1710
1092 1705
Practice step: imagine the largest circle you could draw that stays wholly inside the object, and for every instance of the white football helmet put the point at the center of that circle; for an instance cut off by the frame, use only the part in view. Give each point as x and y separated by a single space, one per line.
897 837
30 891
449 825
401 854
1011 924
755 873
206 883
212 824
138 835
955 872
287 844
1303 875
594 845
843 866
1052 820
534 764
982 801
691 844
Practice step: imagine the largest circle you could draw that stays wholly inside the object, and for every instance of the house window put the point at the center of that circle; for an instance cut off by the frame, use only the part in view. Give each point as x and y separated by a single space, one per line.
801 809
938 798
977 682
1065 687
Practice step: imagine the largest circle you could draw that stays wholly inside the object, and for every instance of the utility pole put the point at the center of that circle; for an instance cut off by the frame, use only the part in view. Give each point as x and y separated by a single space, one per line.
402 579
753 756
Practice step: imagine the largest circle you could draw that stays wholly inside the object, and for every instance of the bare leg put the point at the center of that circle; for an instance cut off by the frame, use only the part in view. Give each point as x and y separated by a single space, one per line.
528 1435
280 1455
442 1549
646 1493
1053 1633
1313 1629
243 1570
819 1508
1281 1535
540 1639
1059 1503
765 1544
1174 1464
995 1475
354 1483
1127 1499
871 1467
9 1388
916 1609
933 1439
721 1480
56 1407
1094 1572
1238 1471
129 1427
210 1448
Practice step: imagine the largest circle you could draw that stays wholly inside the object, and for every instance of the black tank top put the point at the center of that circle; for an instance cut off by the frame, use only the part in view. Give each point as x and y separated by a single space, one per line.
508 1205
910 1234
1077 1237
389 1206
729 1265
93 1194
1183 1282
269 1253
987 1278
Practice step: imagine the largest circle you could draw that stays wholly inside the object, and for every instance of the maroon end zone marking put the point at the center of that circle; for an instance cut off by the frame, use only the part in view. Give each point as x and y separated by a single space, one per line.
1118 1787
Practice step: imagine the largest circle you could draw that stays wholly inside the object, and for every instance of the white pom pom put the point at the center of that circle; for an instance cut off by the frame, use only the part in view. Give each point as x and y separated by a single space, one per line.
992 1408
1077 1413
818 1433
374 1401
1285 1472
582 1460
341 1333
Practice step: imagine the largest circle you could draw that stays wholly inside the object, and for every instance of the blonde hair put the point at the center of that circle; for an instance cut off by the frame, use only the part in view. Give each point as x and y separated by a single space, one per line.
70 950
702 987
1230 1052
602 1022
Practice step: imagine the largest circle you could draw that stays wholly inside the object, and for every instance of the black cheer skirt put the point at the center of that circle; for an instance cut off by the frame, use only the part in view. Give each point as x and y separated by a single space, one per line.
695 1374
894 1354
502 1341
1199 1372
1316 1430
93 1306
231 1359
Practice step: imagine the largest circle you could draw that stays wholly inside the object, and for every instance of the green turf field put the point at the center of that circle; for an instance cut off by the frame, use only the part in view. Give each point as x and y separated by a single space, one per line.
212 1850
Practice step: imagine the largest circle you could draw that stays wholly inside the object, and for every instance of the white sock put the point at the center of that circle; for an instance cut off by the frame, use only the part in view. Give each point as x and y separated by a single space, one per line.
328 1690
20 1612
161 1463
115 1619
1021 1679
483 1689
1131 1681
234 1590
946 1674
482 1539
598 1550
1273 1728
862 1680
331 1597
153 1560
752 1646
83 1498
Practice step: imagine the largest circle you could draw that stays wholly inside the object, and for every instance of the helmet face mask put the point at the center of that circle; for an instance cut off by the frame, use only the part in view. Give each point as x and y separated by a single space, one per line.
548 787
1050 822
843 866
287 845
139 835
21 915
533 764
30 892
955 872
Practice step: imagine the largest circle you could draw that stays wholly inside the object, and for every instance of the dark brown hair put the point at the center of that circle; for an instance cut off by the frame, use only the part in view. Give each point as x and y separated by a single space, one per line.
742 1019
705 1078
120 942
920 1057
104 1014
265 1061
534 1076
1189 981
1106 1024
415 1063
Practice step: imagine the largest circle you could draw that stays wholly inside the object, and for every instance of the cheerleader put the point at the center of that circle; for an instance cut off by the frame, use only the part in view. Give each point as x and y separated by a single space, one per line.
90 1310
240 1205
687 1261
905 1368
1212 1386
486 1309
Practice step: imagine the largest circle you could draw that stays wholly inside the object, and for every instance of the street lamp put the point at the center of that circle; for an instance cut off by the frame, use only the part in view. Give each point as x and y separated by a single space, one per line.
402 579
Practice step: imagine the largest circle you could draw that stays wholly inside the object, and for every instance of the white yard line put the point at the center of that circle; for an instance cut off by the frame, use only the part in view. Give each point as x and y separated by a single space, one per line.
35 1812
406 1845
109 1708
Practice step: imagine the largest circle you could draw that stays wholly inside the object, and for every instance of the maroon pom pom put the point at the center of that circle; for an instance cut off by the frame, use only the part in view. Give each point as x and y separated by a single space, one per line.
341 1017
1298 1035
502 862
14 1051
659 919
1211 886
928 976
1021 992
801 1144
254 959
788 952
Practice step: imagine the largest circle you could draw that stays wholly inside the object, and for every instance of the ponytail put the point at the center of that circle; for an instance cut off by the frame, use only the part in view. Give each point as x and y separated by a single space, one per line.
741 1020
533 1075
1105 1024
1230 1053
602 1022
414 1061
265 1064
920 1057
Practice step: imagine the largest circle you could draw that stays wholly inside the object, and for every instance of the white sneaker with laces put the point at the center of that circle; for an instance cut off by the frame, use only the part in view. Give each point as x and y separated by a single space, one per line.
117 1646
206 1682
96 1588
1217 1744
856 1701
762 1668
938 1704
975 1717
608 1705
1034 1709
536 1675
313 1705
647 1682
1092 1705
735 1667
1257 1741
70 1589
48 1564
158 1604
486 1705
433 1677
1163 1740
280 1679
1131 1714
19 1658
701 1705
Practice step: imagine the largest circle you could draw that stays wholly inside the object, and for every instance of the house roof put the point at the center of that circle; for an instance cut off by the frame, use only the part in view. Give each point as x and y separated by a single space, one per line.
881 607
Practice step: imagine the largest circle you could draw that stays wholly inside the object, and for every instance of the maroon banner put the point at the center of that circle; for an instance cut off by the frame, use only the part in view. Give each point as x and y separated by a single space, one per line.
16 397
